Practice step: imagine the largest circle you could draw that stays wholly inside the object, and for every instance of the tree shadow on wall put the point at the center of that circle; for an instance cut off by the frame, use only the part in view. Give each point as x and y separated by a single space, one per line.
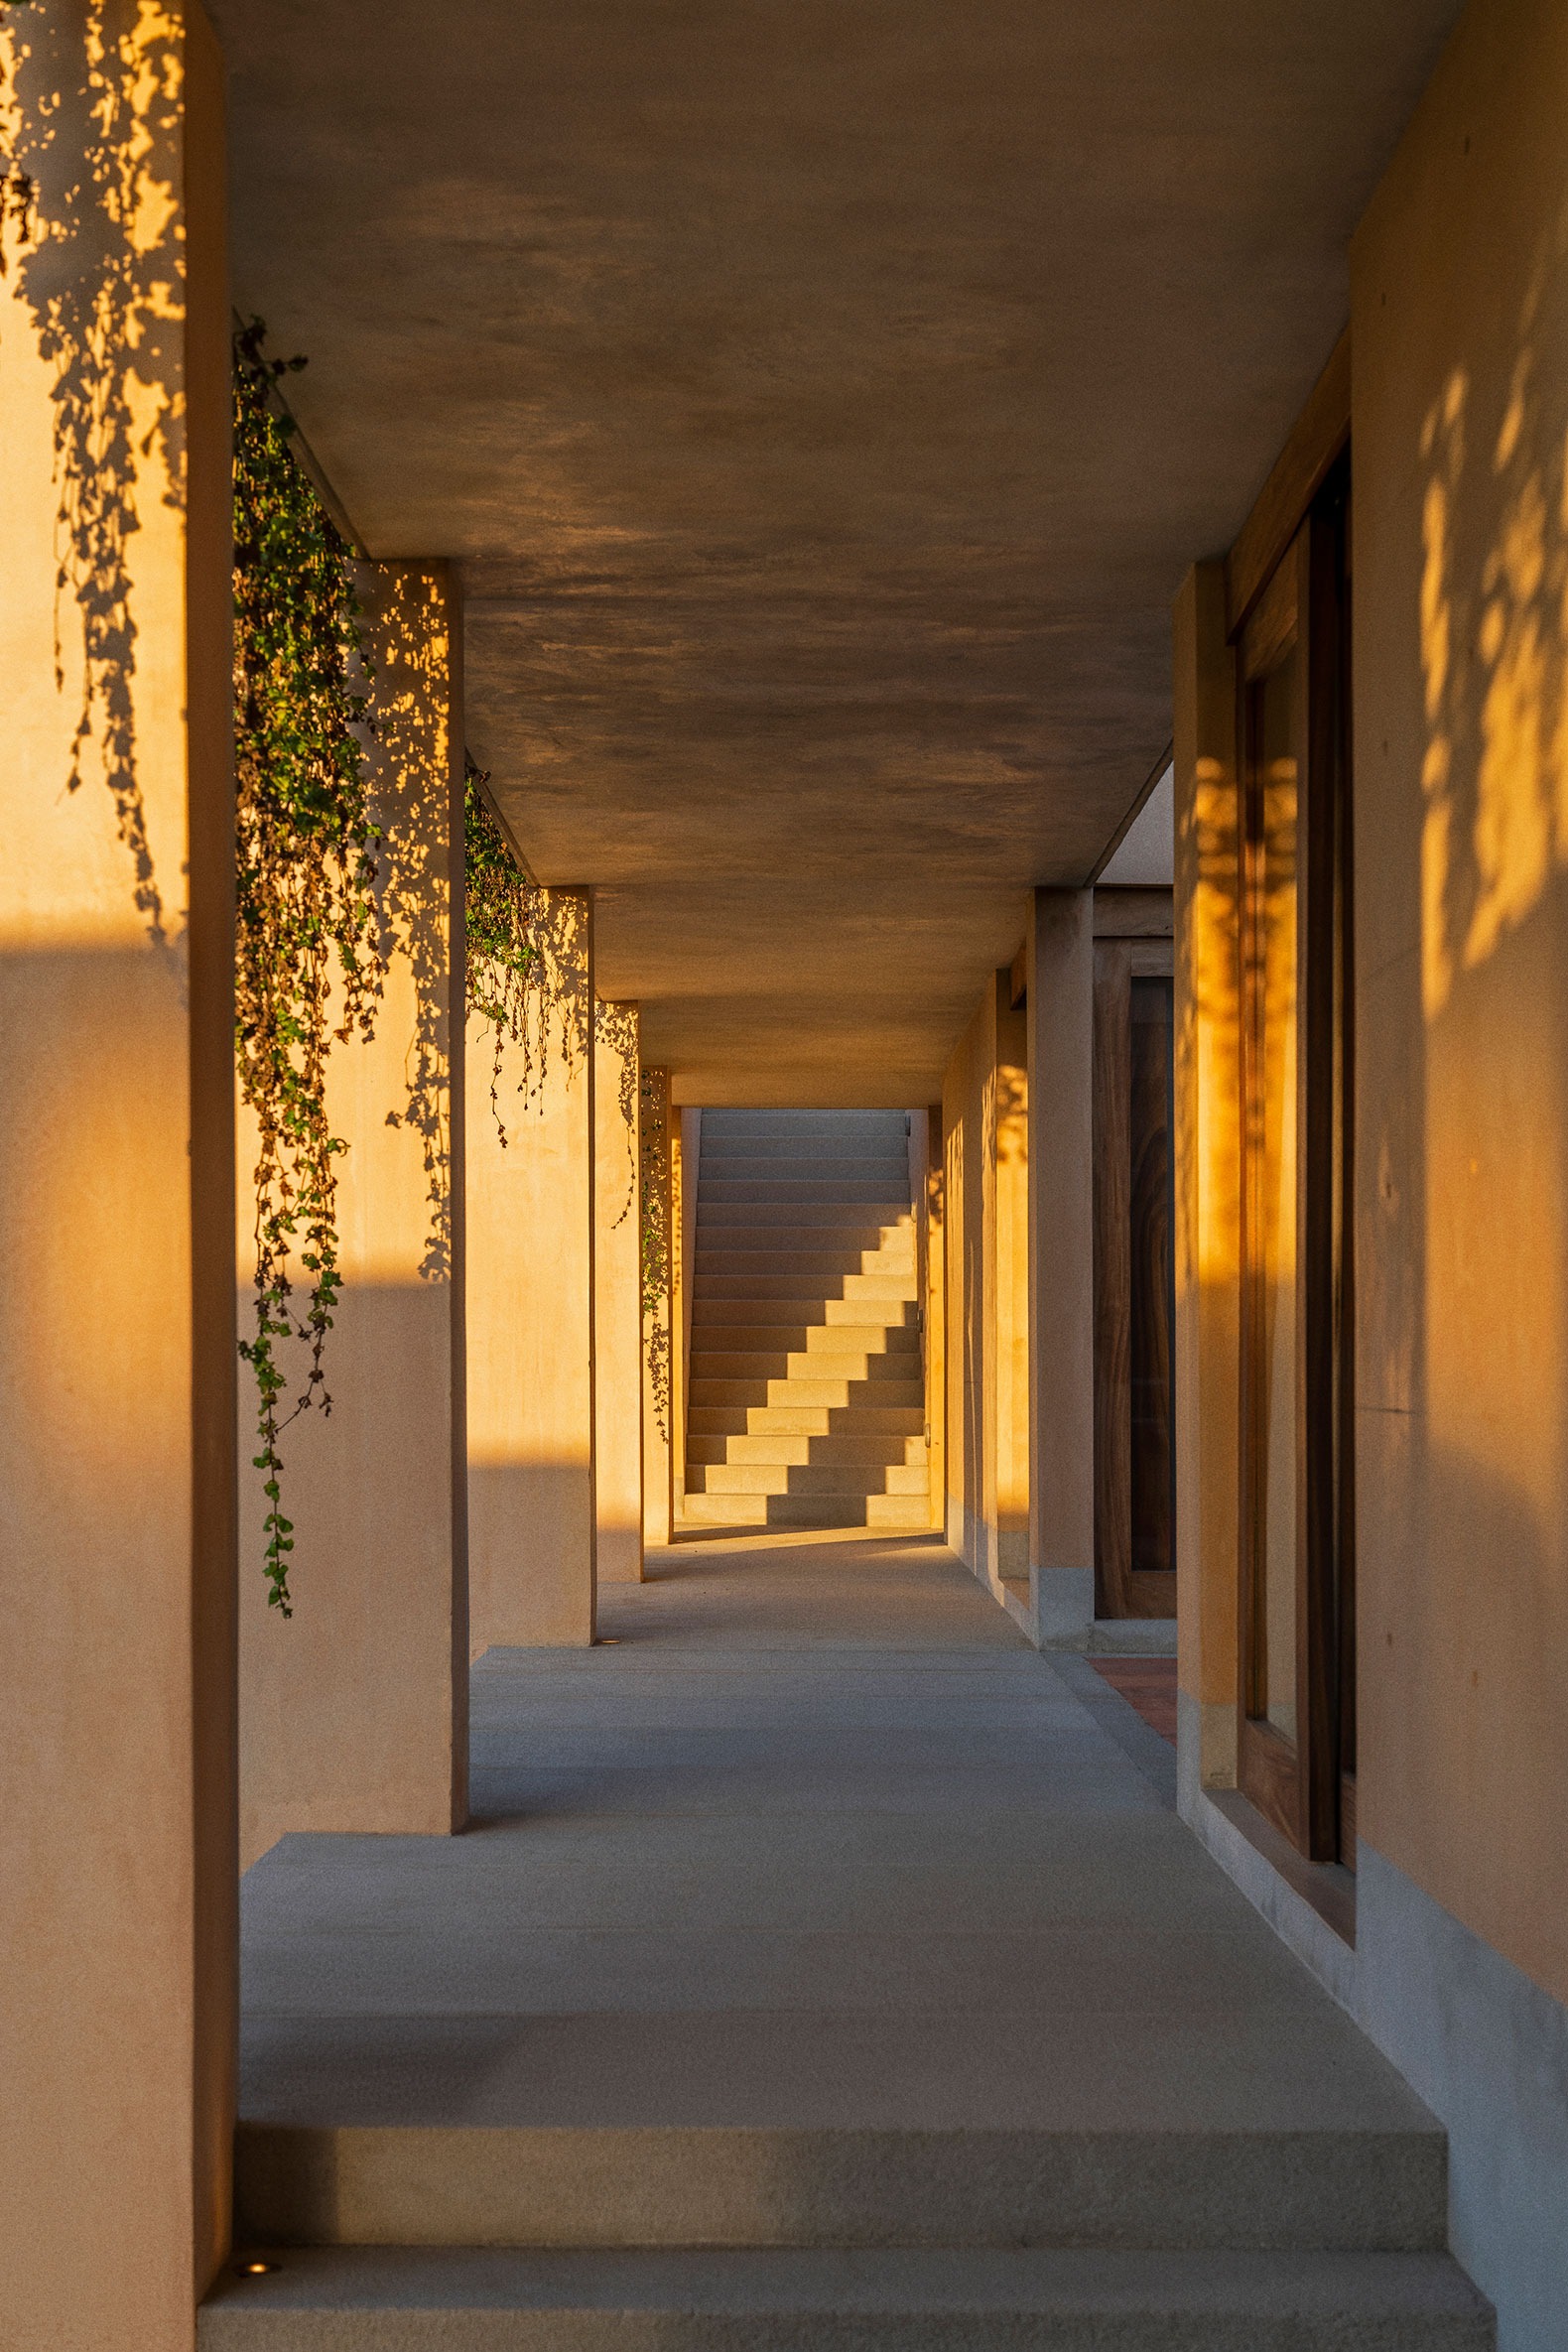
91 222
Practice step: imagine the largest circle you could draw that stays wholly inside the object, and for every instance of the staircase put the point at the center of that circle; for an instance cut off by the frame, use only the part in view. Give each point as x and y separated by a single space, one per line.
807 1398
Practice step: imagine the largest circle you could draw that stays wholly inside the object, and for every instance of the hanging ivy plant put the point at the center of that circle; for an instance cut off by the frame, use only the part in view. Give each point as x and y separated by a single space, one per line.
655 1240
527 954
308 967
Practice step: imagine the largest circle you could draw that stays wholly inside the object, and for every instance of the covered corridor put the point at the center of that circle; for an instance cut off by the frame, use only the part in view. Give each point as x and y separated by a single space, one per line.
819 1913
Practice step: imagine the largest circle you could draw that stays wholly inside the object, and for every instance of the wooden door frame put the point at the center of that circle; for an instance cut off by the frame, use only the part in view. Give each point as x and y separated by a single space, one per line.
1297 1784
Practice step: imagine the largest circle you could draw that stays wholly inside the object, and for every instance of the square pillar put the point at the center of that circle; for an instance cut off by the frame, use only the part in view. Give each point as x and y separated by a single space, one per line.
1207 1365
1060 961
1006 1290
658 1308
617 1298
532 1538
353 1710
117 1344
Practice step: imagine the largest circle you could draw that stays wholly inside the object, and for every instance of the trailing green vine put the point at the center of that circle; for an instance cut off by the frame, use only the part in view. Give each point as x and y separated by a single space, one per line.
527 955
616 1032
654 1152
308 967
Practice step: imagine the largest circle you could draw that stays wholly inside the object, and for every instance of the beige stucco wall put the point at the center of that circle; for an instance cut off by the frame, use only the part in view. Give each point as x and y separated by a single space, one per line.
530 1313
1059 1051
617 1300
1460 352
117 1867
984 1119
353 1710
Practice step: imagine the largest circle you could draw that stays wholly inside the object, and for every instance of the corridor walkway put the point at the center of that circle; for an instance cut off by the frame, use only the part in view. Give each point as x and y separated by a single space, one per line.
818 1913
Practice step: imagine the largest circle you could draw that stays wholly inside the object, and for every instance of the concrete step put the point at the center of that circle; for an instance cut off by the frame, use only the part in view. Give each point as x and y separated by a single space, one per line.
792 1187
894 1210
824 1265
785 1446
812 1338
842 1393
903 2300
901 1513
810 1477
890 1315
807 1166
792 1285
1321 2165
736 1233
807 1420
816 1364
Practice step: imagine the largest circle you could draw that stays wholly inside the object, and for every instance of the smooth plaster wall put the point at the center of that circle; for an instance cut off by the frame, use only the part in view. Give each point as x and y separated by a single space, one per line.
530 1310
1060 964
985 1117
118 1874
617 1300
353 1710
1460 342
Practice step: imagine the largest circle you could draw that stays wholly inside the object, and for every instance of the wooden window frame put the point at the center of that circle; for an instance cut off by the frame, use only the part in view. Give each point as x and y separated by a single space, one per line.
1305 1787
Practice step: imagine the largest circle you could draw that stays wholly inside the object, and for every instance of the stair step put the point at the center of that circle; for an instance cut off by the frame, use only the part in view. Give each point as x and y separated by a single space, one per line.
898 1513
808 1420
823 1265
787 1447
339 2299
894 1210
851 1287
843 1393
809 1339
811 1478
1297 2176
885 1314
806 1363
797 1188
856 1236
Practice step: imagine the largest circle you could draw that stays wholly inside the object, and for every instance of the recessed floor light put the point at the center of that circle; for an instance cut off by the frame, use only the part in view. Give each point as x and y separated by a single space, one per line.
255 2268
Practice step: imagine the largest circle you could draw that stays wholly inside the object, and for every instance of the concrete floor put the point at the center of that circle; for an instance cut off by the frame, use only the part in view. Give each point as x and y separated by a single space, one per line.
820 1841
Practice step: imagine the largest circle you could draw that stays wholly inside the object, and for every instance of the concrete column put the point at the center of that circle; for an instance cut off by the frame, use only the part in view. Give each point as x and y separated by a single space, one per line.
658 1309
618 1299
531 1510
1207 1186
1060 963
1007 1291
353 1711
117 1354
686 1141
934 1313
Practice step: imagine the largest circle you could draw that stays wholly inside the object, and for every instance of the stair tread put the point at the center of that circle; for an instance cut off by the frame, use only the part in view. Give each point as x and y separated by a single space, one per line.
834 2284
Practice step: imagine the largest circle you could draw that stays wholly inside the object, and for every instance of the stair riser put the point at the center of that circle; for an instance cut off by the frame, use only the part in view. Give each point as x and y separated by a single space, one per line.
804 1339
514 2186
840 1395
783 1191
873 1452
762 1420
766 1214
812 1315
812 1477
900 1515
896 1289
817 1364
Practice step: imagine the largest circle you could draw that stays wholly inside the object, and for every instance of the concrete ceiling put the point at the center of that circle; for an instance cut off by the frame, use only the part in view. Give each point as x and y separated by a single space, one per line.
824 403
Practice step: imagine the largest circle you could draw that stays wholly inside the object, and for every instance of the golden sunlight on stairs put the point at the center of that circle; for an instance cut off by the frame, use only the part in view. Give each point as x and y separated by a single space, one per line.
807 1398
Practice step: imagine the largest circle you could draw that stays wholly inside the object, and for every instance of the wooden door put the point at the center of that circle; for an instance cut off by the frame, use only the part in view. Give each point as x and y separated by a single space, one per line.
1134 1298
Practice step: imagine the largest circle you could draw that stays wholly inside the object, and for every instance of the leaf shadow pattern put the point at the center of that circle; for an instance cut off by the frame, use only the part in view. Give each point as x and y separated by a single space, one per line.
616 1032
653 1152
91 99
408 645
